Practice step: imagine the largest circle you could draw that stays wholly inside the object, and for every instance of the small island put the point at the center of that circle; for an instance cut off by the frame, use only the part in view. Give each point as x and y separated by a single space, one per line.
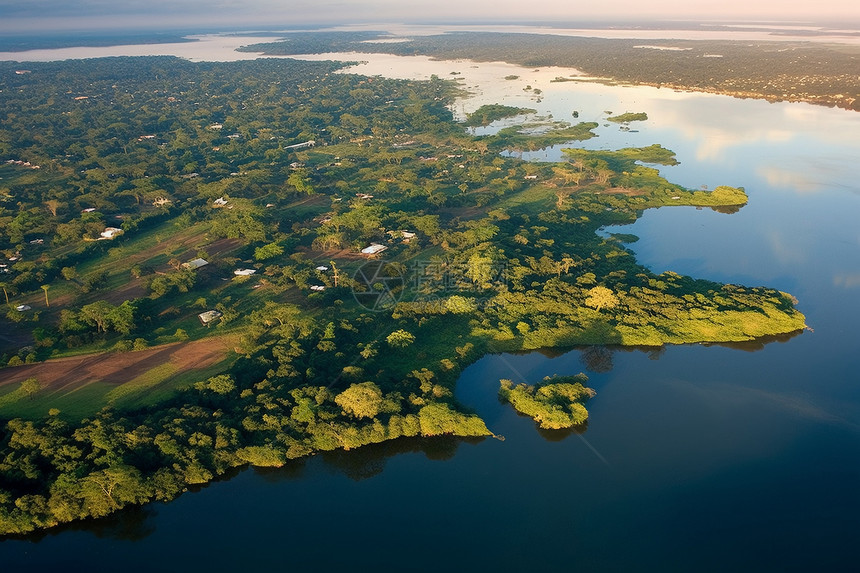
487 114
628 117
555 403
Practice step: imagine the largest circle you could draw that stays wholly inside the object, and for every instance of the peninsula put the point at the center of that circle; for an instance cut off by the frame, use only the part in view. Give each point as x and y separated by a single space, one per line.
301 261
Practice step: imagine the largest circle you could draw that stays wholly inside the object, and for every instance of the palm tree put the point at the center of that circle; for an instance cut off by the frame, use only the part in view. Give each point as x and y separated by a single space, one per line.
45 288
6 294
335 271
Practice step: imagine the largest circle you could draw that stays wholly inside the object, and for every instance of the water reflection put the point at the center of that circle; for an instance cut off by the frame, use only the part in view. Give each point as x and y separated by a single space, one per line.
847 280
136 523
205 48
758 343
131 524
291 471
727 209
596 358
795 404
368 461
807 175
563 434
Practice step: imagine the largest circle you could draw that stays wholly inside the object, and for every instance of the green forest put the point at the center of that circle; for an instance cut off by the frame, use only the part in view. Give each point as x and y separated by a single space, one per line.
815 72
338 243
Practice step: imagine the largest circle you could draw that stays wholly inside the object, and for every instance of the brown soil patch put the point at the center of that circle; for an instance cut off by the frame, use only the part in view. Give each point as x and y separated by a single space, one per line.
623 191
186 248
323 257
218 247
134 287
120 367
463 213
129 291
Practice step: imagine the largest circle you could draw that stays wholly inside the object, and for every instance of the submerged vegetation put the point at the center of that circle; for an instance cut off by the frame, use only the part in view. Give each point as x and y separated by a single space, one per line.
253 203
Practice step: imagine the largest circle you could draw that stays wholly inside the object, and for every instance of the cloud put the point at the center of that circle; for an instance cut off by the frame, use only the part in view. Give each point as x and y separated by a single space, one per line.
798 178
847 281
787 250
718 128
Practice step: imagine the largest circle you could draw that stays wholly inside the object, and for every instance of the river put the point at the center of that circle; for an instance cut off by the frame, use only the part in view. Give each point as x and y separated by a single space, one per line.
696 458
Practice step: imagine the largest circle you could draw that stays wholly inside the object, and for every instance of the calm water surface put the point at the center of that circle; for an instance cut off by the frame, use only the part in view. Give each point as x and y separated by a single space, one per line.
695 458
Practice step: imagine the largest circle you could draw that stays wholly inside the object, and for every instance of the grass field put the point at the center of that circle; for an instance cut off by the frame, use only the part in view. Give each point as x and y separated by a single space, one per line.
81 386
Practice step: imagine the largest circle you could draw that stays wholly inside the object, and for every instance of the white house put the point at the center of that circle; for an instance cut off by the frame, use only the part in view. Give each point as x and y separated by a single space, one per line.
373 249
209 316
195 264
111 232
302 145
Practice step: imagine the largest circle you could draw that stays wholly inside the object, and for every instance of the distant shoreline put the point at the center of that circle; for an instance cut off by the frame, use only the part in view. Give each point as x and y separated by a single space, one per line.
678 59
714 31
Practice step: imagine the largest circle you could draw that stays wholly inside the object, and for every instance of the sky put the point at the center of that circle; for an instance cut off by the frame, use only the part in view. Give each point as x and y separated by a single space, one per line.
18 16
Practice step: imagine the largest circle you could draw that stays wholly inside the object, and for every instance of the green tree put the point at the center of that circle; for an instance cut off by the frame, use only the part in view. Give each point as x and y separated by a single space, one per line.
460 305
400 338
300 182
361 400
121 318
112 488
69 273
30 387
262 456
480 270
97 314
601 297
269 251
437 419
221 384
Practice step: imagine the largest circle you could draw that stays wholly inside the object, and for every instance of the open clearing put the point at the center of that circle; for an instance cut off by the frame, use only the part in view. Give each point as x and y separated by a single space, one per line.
82 385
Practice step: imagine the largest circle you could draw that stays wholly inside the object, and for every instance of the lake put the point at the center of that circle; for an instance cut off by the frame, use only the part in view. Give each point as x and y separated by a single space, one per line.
696 458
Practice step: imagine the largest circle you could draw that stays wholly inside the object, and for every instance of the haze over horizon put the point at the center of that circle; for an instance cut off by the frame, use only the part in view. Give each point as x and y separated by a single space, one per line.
163 15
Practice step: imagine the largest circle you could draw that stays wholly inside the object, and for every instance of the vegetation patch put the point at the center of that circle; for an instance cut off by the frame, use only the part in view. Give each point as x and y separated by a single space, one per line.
555 403
628 117
487 114
541 136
